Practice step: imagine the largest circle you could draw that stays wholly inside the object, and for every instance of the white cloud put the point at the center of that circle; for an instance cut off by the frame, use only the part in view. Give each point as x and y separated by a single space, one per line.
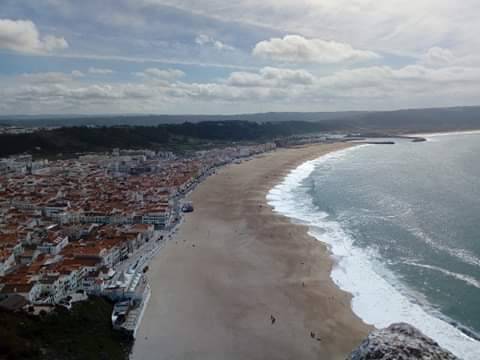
269 88
271 77
77 73
202 39
386 82
205 40
51 77
106 93
23 36
437 56
161 74
100 71
378 86
297 49
396 26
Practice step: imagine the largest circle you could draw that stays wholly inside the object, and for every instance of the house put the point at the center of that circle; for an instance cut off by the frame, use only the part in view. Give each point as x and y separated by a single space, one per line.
138 234
158 216
62 281
94 282
49 288
53 244
111 256
28 256
7 260
55 207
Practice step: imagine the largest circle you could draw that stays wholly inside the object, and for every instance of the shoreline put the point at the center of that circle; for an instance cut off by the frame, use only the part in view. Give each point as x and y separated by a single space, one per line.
240 281
460 340
447 133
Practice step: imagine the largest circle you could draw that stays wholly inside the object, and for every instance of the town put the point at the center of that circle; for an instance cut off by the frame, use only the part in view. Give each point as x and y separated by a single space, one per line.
88 226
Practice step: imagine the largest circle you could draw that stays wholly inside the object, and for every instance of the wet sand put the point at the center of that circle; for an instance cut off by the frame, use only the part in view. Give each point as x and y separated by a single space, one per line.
233 265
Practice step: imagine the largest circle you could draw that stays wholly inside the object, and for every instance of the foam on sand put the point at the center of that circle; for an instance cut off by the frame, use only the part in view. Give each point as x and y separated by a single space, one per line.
378 297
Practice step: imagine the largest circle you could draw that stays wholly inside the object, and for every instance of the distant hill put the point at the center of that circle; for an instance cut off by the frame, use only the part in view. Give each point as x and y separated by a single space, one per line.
179 133
435 119
152 120
416 120
172 137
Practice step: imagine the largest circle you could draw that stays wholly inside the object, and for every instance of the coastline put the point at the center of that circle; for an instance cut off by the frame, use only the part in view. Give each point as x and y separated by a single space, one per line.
233 264
447 133
354 265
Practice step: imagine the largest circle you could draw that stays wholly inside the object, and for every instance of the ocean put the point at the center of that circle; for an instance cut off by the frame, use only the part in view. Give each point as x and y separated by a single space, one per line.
403 225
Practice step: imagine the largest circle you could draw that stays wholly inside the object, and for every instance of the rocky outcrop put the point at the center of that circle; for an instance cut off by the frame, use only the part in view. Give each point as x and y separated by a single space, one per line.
400 342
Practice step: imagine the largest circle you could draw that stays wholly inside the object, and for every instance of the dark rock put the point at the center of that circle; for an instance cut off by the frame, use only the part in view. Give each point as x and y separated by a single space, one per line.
400 342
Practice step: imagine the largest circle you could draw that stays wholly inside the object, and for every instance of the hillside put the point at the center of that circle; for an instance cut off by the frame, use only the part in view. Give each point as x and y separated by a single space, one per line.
197 133
436 119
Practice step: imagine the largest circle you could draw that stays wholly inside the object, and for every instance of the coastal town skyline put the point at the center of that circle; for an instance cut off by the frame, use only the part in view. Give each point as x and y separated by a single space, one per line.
180 57
88 226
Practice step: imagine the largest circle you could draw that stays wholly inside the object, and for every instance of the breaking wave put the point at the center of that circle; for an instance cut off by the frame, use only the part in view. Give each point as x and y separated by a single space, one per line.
379 298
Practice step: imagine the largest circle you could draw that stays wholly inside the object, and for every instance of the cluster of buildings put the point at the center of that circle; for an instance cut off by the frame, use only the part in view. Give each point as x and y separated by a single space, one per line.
76 227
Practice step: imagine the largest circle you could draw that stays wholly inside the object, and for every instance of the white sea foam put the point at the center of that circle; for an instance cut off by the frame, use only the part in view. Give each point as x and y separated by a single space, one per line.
461 254
462 277
376 300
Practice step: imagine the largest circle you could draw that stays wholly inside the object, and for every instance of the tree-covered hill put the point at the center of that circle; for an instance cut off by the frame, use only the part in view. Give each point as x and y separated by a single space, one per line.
194 134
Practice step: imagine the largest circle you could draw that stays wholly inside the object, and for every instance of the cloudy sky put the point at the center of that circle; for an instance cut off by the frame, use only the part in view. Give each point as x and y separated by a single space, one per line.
217 56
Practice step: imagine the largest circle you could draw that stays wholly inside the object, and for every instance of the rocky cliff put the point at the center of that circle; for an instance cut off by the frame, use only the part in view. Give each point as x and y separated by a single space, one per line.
400 342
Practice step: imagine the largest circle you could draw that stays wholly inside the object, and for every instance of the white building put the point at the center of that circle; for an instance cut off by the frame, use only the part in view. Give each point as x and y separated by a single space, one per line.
54 246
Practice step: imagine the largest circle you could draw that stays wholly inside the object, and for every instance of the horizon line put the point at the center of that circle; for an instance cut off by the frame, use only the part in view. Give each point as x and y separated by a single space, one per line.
232 114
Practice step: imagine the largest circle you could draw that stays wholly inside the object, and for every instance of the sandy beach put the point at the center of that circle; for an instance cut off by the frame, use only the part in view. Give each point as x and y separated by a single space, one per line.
233 265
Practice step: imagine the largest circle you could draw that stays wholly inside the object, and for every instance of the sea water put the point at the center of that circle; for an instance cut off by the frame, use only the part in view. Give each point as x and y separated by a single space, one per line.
402 223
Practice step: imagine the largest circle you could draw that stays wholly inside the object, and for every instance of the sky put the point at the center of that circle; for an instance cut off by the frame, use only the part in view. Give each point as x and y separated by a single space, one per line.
243 56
